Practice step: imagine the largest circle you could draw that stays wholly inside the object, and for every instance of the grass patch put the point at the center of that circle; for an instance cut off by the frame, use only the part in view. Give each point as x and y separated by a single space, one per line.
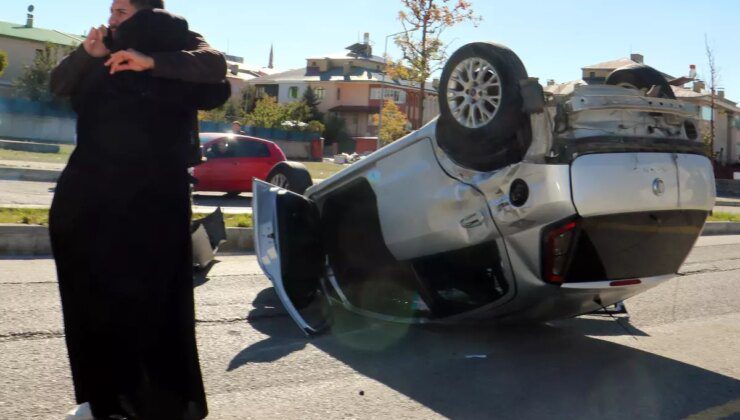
64 151
41 217
25 216
722 216
322 170
241 220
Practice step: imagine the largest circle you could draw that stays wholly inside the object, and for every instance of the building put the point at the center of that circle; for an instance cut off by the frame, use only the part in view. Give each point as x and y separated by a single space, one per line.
350 84
727 115
238 72
21 42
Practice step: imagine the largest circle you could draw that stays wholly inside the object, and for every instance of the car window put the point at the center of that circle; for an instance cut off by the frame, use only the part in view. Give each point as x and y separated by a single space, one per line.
252 149
221 149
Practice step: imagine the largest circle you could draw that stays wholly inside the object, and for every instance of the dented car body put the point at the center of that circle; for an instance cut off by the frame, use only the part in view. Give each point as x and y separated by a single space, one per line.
511 205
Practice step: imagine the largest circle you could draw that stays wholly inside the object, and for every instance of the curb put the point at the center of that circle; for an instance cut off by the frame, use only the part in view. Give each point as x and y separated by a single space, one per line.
29 146
27 174
726 203
33 240
30 240
721 228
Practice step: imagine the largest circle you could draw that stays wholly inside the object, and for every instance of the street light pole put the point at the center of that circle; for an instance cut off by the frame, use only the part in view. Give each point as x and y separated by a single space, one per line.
382 82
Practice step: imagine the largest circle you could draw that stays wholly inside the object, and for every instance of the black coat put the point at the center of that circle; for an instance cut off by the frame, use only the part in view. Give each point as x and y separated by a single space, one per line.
119 226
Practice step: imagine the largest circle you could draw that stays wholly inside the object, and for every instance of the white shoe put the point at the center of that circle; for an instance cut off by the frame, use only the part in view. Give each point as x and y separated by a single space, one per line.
81 412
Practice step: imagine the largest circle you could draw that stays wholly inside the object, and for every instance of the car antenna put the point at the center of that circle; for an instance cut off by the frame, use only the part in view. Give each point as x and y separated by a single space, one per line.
597 300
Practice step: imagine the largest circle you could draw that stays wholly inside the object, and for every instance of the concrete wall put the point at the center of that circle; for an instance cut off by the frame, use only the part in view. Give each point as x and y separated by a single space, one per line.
39 128
284 88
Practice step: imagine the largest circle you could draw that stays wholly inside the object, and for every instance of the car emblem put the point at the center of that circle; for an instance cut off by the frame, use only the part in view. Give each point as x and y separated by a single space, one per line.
658 187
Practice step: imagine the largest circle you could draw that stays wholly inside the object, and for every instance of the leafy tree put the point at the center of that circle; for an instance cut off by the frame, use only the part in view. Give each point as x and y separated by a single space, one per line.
427 20
248 96
309 98
394 123
267 113
3 61
235 109
296 111
713 80
34 82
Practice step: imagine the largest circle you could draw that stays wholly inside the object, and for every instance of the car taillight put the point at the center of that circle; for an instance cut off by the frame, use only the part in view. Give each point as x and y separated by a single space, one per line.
558 244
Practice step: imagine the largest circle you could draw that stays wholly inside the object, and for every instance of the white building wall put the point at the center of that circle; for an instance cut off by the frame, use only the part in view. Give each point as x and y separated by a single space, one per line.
284 91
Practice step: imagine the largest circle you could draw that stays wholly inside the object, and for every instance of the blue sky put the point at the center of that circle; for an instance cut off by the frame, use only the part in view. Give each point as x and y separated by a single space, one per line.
554 39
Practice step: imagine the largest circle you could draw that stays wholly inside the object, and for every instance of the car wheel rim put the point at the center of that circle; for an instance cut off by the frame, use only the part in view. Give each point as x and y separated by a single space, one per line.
280 180
474 92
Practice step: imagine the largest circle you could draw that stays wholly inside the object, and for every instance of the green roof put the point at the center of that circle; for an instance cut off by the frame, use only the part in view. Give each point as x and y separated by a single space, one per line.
19 31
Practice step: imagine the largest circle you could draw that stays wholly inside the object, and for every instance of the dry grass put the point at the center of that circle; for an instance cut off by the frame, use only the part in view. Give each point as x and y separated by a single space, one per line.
64 151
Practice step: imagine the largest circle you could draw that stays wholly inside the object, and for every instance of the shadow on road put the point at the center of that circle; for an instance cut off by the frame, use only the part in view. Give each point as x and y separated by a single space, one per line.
485 372
200 275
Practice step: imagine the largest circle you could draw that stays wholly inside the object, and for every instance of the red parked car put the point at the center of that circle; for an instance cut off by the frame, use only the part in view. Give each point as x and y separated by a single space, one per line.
233 160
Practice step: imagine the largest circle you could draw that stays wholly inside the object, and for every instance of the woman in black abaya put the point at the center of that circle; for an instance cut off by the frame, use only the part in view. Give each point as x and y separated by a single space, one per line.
119 226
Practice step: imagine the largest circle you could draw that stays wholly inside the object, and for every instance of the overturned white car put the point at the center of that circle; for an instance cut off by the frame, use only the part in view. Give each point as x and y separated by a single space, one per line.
510 205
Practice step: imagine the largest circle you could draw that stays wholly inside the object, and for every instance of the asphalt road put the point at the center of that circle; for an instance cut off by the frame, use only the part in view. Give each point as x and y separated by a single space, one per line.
679 359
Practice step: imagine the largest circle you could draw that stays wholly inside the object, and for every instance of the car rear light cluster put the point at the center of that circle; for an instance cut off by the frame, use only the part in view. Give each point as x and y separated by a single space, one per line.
557 249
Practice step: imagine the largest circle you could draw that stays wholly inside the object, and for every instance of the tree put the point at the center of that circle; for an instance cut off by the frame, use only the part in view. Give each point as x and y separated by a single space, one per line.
295 111
426 19
248 96
3 61
34 82
335 131
312 102
267 113
394 123
713 79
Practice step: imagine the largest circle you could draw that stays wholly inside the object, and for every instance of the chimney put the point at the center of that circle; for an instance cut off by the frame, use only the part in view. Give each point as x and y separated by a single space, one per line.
637 58
29 17
367 38
698 86
721 93
692 71
345 68
550 82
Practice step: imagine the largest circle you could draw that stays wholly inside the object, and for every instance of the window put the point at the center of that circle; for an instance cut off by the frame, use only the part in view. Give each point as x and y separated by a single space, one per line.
259 92
293 92
592 75
319 93
706 113
252 149
220 149
396 95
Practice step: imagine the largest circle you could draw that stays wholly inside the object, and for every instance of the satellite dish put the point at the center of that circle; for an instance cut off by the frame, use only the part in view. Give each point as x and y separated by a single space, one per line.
30 9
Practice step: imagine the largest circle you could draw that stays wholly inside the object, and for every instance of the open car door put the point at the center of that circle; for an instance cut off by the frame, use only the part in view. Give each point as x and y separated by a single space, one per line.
287 239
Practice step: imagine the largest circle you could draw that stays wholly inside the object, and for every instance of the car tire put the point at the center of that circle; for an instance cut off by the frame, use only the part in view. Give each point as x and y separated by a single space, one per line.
292 176
641 77
488 134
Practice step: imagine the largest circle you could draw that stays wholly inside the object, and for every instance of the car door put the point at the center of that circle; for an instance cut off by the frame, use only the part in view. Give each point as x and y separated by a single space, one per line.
253 160
212 175
287 238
